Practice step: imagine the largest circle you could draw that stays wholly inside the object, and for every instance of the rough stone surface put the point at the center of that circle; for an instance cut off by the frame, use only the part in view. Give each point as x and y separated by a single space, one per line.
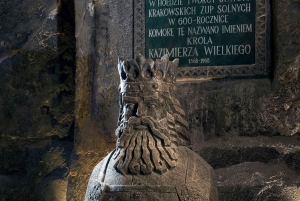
103 33
228 108
286 66
258 181
31 76
37 55
250 176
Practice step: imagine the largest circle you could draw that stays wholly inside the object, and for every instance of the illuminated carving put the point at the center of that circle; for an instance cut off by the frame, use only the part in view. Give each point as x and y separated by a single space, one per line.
152 160
151 122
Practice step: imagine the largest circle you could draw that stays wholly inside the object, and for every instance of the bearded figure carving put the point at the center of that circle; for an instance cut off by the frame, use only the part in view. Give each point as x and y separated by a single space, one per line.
152 159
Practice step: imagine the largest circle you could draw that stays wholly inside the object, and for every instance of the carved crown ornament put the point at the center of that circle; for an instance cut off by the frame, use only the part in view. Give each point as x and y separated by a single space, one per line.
144 75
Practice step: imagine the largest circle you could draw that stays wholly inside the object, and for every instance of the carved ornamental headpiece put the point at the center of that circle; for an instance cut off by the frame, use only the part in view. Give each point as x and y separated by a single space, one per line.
147 75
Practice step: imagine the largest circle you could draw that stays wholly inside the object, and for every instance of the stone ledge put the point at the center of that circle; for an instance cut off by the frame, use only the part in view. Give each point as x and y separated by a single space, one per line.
258 181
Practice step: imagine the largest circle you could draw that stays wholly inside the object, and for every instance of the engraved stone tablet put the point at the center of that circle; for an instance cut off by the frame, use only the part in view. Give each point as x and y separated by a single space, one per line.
212 38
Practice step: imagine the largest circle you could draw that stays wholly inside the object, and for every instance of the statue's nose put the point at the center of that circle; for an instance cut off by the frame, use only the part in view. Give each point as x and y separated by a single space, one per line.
140 111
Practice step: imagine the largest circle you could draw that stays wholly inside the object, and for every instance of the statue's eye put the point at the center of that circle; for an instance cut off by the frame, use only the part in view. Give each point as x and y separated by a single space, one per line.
129 106
153 105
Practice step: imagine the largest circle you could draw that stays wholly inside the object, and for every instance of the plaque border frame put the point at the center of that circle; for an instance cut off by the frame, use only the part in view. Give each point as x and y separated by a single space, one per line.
262 60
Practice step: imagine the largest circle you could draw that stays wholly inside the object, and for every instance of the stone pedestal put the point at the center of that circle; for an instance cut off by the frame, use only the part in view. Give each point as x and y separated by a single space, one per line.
191 179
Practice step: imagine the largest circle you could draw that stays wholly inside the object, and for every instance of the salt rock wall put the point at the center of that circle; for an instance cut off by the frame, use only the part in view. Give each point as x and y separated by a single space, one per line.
248 129
37 69
55 125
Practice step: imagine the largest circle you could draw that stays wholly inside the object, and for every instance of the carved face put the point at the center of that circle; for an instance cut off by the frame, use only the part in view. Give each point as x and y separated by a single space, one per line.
145 105
144 129
145 111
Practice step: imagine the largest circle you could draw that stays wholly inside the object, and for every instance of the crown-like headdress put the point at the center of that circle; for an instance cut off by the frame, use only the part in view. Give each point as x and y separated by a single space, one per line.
147 75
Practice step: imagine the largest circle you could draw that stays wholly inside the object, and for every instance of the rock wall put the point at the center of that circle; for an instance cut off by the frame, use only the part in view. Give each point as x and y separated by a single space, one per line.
37 69
246 129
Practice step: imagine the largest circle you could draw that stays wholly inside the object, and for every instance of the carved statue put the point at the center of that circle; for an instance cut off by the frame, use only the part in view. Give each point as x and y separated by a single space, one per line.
152 160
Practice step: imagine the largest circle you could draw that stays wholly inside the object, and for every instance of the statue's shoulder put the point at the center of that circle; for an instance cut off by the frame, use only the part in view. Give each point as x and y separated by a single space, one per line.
200 179
197 169
94 184
193 159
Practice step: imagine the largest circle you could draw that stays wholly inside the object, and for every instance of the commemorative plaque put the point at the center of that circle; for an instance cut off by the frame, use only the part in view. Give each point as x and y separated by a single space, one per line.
211 38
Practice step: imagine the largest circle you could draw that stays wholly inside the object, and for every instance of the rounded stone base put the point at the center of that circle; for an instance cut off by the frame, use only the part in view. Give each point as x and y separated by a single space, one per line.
191 180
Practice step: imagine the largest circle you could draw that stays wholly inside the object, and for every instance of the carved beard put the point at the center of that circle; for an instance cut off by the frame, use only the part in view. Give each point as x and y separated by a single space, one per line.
145 146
